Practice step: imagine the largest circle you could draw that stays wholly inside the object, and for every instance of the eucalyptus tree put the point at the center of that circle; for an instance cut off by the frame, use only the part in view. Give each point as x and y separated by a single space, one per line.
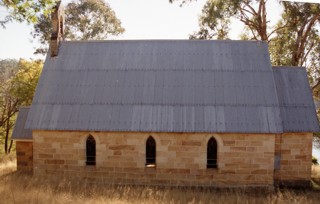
298 42
84 20
216 17
25 10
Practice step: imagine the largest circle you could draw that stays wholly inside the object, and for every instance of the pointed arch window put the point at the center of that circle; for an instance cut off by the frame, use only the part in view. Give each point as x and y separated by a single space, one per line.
212 152
150 152
91 151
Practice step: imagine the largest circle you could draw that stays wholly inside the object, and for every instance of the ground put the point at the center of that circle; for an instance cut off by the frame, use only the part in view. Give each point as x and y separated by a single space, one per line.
17 187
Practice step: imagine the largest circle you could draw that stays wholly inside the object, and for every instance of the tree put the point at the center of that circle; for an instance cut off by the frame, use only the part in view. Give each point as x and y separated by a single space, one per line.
25 10
84 20
7 70
297 44
216 15
17 89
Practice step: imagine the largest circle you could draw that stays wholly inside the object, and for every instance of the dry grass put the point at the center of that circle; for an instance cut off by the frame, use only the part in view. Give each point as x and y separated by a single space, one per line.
7 164
315 171
22 188
315 177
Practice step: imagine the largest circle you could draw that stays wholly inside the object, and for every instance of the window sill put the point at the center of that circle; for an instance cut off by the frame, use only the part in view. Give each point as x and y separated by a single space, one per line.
151 166
212 169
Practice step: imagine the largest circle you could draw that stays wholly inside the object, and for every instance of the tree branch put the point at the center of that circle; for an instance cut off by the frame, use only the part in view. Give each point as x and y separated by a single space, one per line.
304 36
277 29
251 8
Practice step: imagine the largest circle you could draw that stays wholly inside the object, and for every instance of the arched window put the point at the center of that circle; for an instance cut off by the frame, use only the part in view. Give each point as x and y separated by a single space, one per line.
150 152
212 153
91 151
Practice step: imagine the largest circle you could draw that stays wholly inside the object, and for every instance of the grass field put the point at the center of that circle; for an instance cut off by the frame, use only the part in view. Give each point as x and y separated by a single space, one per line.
22 188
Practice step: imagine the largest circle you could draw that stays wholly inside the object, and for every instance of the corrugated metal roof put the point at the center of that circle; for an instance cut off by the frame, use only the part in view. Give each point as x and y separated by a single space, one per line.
295 100
19 131
158 85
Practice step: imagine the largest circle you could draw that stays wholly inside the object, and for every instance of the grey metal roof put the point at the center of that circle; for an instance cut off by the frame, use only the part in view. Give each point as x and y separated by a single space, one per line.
295 100
19 131
158 85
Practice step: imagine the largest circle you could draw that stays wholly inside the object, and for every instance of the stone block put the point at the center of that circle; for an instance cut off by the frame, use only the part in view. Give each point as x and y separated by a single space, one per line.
191 143
121 147
45 156
229 143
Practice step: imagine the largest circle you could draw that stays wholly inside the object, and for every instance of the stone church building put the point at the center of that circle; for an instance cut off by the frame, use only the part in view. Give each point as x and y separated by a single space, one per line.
168 112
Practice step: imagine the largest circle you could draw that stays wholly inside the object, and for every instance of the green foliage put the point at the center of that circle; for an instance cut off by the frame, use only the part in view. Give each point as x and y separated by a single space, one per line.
315 161
7 69
84 20
91 19
18 83
24 82
297 37
215 20
216 14
25 10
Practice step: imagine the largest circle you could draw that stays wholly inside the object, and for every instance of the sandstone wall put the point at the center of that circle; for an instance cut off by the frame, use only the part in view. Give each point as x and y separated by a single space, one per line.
243 159
295 150
24 155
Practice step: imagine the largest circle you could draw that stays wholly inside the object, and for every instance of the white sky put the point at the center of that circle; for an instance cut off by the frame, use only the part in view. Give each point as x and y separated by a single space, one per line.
142 19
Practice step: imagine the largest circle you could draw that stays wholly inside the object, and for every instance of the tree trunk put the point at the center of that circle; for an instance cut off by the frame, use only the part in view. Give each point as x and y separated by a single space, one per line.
10 146
6 149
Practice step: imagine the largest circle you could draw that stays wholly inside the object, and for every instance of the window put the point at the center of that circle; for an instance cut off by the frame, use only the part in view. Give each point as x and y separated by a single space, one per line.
91 151
212 153
150 152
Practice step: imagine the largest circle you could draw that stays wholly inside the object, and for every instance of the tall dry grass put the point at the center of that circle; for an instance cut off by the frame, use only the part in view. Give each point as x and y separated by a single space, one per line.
23 188
8 164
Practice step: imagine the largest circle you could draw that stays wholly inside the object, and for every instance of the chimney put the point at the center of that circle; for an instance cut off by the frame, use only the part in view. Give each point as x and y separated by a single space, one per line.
57 23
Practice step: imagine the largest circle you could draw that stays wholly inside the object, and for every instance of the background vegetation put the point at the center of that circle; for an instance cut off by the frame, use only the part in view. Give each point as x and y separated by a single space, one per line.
84 20
18 81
